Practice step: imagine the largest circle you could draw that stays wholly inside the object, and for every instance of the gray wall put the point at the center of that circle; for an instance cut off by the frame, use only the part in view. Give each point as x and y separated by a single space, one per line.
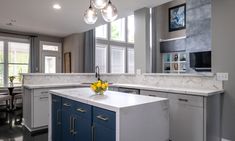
163 18
198 24
75 44
223 59
142 51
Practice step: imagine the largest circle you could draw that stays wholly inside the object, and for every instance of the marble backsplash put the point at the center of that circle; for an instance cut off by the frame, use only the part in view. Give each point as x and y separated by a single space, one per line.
172 81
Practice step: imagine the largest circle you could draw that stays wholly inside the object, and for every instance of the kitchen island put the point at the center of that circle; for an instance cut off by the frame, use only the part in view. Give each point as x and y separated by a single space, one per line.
78 114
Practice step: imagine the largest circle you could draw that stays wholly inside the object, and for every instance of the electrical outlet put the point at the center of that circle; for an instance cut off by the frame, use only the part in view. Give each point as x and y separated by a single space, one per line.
222 76
138 71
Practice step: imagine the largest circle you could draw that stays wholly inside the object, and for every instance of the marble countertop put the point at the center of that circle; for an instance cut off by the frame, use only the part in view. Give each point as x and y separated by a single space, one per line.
111 100
189 91
40 86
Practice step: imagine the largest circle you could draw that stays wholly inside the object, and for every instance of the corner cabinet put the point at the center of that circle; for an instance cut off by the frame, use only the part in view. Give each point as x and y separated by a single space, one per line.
76 121
35 107
192 118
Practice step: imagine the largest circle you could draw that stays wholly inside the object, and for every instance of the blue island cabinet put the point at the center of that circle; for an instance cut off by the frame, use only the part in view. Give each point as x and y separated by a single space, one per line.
56 118
83 122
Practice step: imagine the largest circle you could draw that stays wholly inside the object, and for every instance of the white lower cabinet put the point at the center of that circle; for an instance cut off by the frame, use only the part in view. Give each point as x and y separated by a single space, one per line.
191 117
40 101
35 108
186 119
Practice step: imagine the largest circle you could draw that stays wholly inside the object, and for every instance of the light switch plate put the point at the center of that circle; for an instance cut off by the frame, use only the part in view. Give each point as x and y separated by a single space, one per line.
222 76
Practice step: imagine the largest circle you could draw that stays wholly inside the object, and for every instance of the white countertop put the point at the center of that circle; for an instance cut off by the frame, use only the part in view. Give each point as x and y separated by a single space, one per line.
111 100
188 91
40 86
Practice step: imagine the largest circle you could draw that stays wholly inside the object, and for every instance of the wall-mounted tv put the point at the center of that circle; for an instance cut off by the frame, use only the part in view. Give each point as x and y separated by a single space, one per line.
200 61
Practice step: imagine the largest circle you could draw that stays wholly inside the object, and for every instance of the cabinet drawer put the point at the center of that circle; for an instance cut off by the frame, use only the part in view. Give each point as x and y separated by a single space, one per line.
40 92
105 117
83 110
67 104
154 93
187 99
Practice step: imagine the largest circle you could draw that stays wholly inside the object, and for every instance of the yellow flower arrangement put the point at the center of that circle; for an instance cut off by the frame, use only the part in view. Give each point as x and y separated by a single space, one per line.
99 87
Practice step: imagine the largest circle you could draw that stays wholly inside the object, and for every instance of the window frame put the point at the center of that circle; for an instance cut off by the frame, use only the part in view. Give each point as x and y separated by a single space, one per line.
6 63
108 42
125 31
107 29
125 57
106 48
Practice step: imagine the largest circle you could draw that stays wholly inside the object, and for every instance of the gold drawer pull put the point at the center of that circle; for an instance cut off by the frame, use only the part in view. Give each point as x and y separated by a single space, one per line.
66 105
102 118
81 110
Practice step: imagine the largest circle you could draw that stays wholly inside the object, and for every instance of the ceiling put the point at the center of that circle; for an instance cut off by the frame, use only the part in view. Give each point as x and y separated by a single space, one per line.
38 16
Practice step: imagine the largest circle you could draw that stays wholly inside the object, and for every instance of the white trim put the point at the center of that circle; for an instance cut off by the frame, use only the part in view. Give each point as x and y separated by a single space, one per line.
57 54
172 39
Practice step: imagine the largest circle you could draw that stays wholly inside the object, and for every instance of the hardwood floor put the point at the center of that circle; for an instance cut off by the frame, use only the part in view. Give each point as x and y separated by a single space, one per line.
11 128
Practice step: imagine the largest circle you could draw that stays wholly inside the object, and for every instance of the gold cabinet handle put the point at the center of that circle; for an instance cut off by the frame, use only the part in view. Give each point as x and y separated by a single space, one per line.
100 117
70 125
81 110
74 122
66 105
57 117
93 132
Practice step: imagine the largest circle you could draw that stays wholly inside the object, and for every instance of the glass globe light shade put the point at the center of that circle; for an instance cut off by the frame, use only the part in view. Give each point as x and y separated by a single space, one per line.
109 13
90 16
99 4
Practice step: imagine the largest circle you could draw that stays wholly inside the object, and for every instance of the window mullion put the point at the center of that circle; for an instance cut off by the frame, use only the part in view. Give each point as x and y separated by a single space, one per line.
108 49
6 62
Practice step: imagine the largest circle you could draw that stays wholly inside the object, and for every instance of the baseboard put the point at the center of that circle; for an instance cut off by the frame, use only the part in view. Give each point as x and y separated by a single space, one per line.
225 139
37 130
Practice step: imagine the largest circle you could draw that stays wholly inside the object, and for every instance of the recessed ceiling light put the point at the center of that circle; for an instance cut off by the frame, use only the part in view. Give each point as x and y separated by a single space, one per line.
57 6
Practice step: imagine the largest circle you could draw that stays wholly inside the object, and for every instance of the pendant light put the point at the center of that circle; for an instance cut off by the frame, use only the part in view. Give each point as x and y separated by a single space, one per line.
99 4
109 13
90 16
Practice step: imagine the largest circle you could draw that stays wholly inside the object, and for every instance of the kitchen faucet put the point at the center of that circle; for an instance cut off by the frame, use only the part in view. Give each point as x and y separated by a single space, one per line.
97 72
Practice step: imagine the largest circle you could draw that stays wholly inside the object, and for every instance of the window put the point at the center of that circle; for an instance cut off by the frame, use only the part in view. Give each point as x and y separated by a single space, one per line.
14 60
18 60
117 60
1 63
131 60
50 64
101 58
101 31
131 29
118 30
50 48
115 46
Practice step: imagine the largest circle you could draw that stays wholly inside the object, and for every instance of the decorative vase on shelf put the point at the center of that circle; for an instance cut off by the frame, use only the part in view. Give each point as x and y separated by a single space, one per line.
99 87
11 78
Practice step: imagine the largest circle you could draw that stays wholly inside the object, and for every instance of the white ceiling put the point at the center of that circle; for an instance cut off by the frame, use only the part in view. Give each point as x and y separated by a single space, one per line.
38 16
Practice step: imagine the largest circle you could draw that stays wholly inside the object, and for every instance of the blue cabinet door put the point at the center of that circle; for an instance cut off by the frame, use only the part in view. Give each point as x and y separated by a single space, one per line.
56 118
67 120
82 129
102 133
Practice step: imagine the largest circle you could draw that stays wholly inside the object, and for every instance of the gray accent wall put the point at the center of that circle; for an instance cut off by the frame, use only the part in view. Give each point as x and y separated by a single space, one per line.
198 25
223 60
173 46
75 44
142 47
